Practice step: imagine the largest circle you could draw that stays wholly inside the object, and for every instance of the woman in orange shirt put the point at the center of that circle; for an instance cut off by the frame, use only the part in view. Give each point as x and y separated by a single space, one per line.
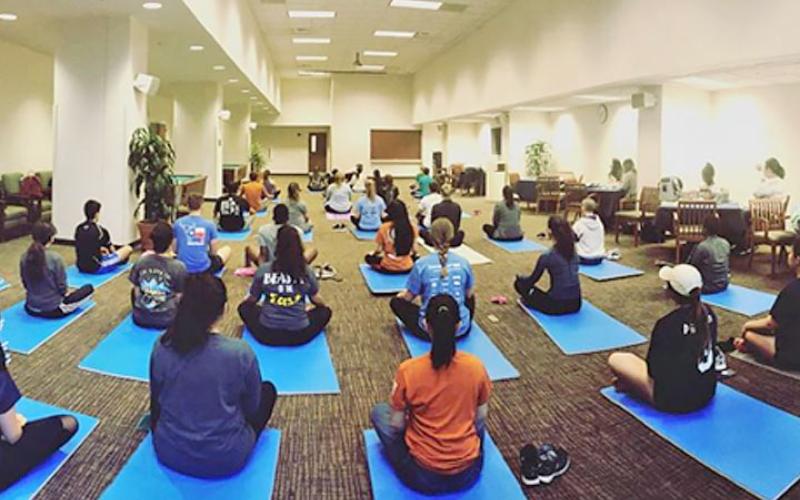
432 429
396 242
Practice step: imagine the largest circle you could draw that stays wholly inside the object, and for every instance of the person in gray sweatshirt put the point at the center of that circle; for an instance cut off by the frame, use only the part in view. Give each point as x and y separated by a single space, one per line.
712 257
590 234
45 279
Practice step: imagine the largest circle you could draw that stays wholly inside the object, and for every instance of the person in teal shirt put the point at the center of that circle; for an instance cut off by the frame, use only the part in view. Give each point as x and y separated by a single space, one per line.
424 181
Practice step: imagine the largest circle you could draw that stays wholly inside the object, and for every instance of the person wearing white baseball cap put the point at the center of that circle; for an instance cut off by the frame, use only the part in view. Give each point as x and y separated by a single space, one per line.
678 375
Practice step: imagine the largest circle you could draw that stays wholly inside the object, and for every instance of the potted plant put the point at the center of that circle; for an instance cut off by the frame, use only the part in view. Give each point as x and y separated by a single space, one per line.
151 160
538 159
257 160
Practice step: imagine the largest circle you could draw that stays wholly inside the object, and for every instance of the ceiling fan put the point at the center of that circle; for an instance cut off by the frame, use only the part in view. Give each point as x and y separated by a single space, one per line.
359 68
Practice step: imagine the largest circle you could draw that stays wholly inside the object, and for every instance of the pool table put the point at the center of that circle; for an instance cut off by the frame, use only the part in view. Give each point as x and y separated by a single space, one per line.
186 184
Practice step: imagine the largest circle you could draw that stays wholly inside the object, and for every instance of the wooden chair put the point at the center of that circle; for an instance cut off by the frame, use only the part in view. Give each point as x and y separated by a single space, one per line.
574 194
548 191
644 210
688 223
768 227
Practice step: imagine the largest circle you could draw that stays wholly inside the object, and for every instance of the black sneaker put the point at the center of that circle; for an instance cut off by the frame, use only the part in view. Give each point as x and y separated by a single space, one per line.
529 465
553 462
726 346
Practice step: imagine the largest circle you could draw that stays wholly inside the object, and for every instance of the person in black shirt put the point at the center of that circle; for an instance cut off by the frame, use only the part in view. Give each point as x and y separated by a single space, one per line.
776 337
678 375
24 445
232 211
451 211
93 248
388 191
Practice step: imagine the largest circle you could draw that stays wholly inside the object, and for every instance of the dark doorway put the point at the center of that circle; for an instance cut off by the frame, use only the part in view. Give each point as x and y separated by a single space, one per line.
318 151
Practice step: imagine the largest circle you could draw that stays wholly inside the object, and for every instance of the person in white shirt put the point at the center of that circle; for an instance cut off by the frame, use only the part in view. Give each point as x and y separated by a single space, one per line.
357 179
590 234
772 185
337 197
427 203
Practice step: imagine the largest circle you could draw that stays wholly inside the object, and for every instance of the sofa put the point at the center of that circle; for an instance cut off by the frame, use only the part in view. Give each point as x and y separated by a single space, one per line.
19 212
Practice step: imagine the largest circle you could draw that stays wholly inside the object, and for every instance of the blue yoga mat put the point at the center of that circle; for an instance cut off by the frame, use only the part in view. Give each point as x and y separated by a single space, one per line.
306 369
588 330
609 270
383 284
124 353
27 487
235 236
476 343
741 300
144 477
77 279
518 246
25 333
363 235
497 481
308 236
747 441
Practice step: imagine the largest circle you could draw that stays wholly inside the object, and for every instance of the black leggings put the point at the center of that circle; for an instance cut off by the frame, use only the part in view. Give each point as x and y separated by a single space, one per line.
332 211
489 229
374 262
318 319
457 240
540 300
69 305
40 439
357 222
408 314
268 397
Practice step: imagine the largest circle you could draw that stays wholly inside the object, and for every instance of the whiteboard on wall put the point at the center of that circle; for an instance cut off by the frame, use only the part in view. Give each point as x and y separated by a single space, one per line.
396 145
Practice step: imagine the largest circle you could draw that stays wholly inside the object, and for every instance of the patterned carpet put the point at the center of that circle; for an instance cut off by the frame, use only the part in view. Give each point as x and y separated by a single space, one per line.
556 399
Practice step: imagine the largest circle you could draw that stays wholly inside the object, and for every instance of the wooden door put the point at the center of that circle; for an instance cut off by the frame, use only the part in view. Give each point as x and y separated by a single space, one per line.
318 151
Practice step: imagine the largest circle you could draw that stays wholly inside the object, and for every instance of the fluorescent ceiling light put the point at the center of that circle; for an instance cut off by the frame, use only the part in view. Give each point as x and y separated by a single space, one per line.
371 67
313 73
417 4
253 98
7 16
705 83
601 98
395 34
312 14
379 53
152 5
196 48
233 80
540 109
245 91
218 67
311 58
311 40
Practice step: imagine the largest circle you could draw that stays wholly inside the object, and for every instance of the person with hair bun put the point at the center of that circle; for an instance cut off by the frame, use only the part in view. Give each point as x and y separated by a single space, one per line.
679 373
440 273
506 218
772 185
208 405
433 427
561 262
44 277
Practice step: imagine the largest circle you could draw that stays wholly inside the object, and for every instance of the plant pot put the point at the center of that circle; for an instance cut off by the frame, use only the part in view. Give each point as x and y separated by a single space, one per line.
145 230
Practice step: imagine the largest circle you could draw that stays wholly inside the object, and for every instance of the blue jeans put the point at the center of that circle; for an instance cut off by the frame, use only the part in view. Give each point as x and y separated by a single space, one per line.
408 470
594 261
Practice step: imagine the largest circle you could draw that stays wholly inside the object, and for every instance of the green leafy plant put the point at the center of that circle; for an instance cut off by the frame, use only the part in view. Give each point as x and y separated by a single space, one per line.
152 160
257 159
538 158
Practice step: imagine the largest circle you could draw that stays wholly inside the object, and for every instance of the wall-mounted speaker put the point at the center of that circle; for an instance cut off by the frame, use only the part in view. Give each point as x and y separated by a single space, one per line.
147 84
643 100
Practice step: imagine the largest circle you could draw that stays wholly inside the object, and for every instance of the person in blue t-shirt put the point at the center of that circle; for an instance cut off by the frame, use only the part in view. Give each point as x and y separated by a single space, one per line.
196 240
368 209
25 445
436 274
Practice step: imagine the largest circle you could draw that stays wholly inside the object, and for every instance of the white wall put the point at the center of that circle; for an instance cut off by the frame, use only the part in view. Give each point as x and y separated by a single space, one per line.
686 133
236 135
161 108
534 50
26 109
286 148
304 102
462 144
525 128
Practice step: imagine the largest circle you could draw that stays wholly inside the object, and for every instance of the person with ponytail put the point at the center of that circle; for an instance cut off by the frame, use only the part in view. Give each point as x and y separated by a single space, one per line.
44 277
396 242
561 263
442 272
368 210
208 405
506 218
298 212
286 285
775 338
24 445
679 373
433 427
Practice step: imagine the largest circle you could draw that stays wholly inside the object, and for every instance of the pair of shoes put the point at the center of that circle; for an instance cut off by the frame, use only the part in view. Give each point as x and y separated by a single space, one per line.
543 464
339 227
325 272
499 299
614 254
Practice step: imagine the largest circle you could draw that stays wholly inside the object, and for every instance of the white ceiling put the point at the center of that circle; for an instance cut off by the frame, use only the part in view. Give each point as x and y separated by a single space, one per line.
352 31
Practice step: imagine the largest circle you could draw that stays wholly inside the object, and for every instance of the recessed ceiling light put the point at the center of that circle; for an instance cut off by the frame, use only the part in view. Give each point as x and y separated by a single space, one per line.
152 5
372 67
379 53
313 73
196 48
253 98
395 34
245 91
7 16
417 4
233 80
218 67
311 58
311 40
311 14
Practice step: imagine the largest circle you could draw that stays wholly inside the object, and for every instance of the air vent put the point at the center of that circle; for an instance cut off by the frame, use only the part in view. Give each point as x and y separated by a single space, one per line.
453 7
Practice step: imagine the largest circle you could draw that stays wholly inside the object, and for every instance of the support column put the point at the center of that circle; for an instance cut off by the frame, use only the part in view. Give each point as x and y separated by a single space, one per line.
96 110
649 155
236 135
197 133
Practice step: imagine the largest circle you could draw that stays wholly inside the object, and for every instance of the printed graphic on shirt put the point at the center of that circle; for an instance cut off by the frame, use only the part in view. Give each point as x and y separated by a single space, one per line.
452 284
229 207
156 287
707 360
281 290
195 235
